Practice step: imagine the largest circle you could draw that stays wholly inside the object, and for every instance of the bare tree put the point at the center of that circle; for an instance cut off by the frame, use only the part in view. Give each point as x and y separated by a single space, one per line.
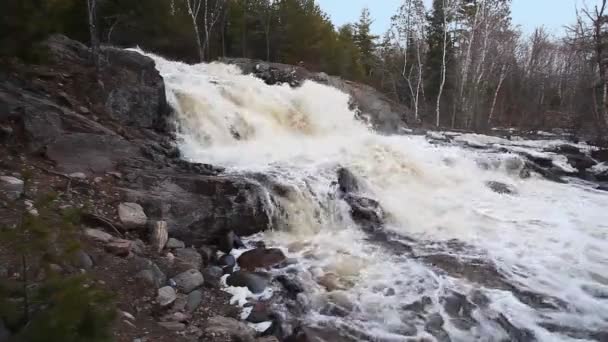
194 8
443 61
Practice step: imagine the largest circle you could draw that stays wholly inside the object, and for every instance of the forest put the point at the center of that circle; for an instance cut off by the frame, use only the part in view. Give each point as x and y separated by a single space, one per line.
461 64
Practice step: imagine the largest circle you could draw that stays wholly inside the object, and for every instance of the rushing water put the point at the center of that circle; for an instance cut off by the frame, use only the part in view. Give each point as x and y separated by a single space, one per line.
530 266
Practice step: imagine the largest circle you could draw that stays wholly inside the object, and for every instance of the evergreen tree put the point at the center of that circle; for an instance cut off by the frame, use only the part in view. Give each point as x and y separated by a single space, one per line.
365 41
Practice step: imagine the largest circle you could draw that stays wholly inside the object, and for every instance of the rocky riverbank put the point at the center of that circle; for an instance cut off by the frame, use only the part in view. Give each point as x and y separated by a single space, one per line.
162 233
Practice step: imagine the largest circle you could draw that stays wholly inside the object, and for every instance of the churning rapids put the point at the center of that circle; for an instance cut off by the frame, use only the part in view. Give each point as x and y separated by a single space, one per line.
456 261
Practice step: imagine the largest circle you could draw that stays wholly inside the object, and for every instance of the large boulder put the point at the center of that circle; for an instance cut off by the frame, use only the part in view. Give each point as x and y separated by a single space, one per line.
133 91
261 258
200 209
132 215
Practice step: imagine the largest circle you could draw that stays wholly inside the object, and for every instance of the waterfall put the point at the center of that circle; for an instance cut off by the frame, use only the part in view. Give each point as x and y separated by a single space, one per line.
490 266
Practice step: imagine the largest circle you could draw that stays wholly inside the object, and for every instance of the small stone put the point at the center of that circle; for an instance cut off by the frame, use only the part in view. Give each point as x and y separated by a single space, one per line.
97 179
78 175
194 300
83 260
83 110
166 296
173 326
176 317
159 235
227 263
175 244
98 235
501 188
188 281
127 315
116 175
132 215
119 247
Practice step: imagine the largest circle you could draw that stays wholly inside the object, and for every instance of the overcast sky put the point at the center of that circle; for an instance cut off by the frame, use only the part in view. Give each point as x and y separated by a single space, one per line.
553 14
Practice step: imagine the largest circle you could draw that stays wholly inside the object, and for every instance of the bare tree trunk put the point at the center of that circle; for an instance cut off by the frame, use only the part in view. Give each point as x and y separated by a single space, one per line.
466 64
194 7
503 75
92 12
443 63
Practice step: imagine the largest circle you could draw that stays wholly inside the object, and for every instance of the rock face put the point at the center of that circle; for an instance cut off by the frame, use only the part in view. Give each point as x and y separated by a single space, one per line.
132 215
384 114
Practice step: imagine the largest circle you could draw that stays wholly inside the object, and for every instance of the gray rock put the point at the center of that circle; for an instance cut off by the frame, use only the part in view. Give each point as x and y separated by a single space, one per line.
255 282
230 327
188 258
159 235
188 281
11 187
347 181
213 275
132 215
501 188
98 235
83 260
173 326
227 263
194 300
166 296
78 175
149 272
174 244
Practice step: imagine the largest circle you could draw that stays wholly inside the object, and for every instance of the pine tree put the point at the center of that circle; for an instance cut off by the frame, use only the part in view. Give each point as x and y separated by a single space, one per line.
365 41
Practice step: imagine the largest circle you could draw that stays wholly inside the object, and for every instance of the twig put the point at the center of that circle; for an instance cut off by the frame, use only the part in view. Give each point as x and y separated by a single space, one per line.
106 221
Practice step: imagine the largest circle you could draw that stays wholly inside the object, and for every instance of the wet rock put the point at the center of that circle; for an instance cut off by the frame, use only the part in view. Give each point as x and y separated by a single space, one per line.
189 280
166 296
187 258
174 244
82 260
515 333
331 282
173 326
544 172
366 212
501 188
11 187
261 258
291 285
208 254
119 247
596 290
434 326
255 282
419 306
227 263
513 164
149 272
229 241
338 304
159 235
580 162
213 275
259 313
230 327
132 215
321 334
460 310
600 155
566 149
194 300
347 181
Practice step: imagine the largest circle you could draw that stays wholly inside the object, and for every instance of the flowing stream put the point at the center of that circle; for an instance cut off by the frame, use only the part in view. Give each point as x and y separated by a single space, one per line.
464 263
